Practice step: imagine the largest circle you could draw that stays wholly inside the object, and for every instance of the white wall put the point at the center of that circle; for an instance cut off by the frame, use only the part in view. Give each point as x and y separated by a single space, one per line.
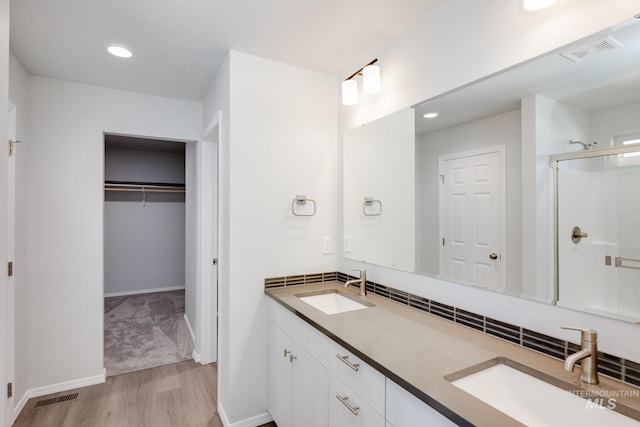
217 100
615 121
547 128
18 81
65 214
279 141
144 166
4 131
434 57
502 129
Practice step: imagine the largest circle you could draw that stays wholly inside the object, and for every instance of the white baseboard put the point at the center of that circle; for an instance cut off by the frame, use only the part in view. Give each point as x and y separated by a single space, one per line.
194 354
56 388
20 406
193 337
258 420
144 291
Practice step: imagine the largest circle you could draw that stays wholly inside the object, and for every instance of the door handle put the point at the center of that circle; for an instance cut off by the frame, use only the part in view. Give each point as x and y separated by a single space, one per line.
493 255
577 234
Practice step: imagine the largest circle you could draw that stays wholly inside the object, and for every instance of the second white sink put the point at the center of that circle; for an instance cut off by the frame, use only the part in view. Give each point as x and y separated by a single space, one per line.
535 402
332 302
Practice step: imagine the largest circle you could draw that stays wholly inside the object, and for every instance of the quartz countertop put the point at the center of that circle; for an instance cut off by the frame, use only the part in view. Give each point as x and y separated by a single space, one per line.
417 350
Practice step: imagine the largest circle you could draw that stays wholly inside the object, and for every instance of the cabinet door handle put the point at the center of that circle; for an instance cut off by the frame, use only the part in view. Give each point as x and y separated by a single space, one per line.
344 399
286 352
292 357
345 360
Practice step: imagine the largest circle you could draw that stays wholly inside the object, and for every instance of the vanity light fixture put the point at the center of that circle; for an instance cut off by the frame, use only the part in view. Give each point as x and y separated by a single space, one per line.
537 4
120 51
349 92
430 115
370 83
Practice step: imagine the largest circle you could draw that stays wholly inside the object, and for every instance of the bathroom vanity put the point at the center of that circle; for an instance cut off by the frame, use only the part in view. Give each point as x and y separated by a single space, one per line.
387 364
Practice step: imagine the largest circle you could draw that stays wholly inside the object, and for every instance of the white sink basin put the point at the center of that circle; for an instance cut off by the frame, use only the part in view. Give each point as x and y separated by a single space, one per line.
332 302
535 402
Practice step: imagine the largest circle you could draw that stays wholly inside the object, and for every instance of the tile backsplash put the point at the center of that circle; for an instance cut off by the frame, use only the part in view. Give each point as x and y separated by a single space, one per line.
612 366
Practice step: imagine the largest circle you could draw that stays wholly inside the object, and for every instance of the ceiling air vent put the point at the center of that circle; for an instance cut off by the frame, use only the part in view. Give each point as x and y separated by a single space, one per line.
592 49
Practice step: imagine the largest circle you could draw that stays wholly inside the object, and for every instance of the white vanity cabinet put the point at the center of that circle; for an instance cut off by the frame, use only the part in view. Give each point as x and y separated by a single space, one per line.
315 382
406 410
298 379
357 391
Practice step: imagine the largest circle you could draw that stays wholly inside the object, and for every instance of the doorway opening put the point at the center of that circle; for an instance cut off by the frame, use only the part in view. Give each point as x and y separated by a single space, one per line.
146 216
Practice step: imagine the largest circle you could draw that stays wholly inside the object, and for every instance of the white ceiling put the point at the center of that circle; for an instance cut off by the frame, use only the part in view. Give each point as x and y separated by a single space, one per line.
179 45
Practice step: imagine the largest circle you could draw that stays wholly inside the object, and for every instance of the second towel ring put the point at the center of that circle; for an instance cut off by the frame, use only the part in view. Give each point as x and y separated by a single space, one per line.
302 200
369 202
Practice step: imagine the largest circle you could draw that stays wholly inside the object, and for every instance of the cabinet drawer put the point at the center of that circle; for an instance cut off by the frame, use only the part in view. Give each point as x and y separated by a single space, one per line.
281 317
346 408
365 381
406 410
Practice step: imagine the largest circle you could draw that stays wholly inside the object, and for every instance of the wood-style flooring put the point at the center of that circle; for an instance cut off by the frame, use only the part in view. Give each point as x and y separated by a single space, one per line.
179 395
182 394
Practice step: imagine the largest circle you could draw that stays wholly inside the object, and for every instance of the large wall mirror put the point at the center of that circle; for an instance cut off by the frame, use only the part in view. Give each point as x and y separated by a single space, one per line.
471 195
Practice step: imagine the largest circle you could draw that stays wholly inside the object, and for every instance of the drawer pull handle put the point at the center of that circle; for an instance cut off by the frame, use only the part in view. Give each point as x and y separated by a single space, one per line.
353 410
345 360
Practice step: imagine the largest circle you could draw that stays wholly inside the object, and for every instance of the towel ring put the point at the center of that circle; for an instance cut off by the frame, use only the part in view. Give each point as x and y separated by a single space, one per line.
302 200
369 202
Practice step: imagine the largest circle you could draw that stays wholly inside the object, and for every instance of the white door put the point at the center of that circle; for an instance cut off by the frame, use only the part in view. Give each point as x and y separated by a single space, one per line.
471 218
11 239
208 214
310 390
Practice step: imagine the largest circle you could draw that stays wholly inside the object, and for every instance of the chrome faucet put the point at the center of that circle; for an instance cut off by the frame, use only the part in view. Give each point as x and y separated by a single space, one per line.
362 280
588 355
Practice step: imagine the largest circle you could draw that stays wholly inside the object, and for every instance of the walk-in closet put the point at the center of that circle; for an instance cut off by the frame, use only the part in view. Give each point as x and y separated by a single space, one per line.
144 254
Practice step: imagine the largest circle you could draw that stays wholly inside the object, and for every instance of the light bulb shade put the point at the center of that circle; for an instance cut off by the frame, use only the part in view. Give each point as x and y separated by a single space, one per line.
349 92
371 79
537 4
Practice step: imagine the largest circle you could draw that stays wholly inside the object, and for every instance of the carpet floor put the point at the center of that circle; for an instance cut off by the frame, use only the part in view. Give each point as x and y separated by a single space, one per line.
144 331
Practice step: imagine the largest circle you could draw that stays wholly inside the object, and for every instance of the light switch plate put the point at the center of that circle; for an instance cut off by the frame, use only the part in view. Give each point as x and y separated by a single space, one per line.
326 245
346 244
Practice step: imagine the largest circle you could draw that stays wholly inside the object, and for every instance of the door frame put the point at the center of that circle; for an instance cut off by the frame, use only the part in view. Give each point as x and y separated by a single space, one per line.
208 241
501 150
11 254
207 208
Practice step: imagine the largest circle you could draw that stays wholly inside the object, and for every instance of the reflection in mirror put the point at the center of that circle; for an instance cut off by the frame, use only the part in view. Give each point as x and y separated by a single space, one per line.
598 238
490 143
379 192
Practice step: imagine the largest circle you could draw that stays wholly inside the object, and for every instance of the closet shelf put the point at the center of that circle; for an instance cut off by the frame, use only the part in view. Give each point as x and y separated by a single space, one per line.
148 187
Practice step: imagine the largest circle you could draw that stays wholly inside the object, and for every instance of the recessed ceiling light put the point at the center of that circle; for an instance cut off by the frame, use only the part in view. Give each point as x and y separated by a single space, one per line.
430 115
120 51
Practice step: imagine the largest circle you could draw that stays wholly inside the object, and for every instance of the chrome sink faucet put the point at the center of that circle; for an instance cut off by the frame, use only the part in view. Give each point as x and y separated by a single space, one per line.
588 355
362 281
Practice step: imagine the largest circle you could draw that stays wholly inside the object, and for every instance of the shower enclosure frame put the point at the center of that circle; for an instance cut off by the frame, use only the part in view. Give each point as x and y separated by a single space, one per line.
575 155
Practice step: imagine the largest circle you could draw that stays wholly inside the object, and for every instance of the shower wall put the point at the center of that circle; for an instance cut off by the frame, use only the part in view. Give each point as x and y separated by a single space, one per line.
603 201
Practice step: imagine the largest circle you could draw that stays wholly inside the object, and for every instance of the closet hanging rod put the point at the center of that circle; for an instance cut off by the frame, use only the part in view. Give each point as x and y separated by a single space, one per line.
146 190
